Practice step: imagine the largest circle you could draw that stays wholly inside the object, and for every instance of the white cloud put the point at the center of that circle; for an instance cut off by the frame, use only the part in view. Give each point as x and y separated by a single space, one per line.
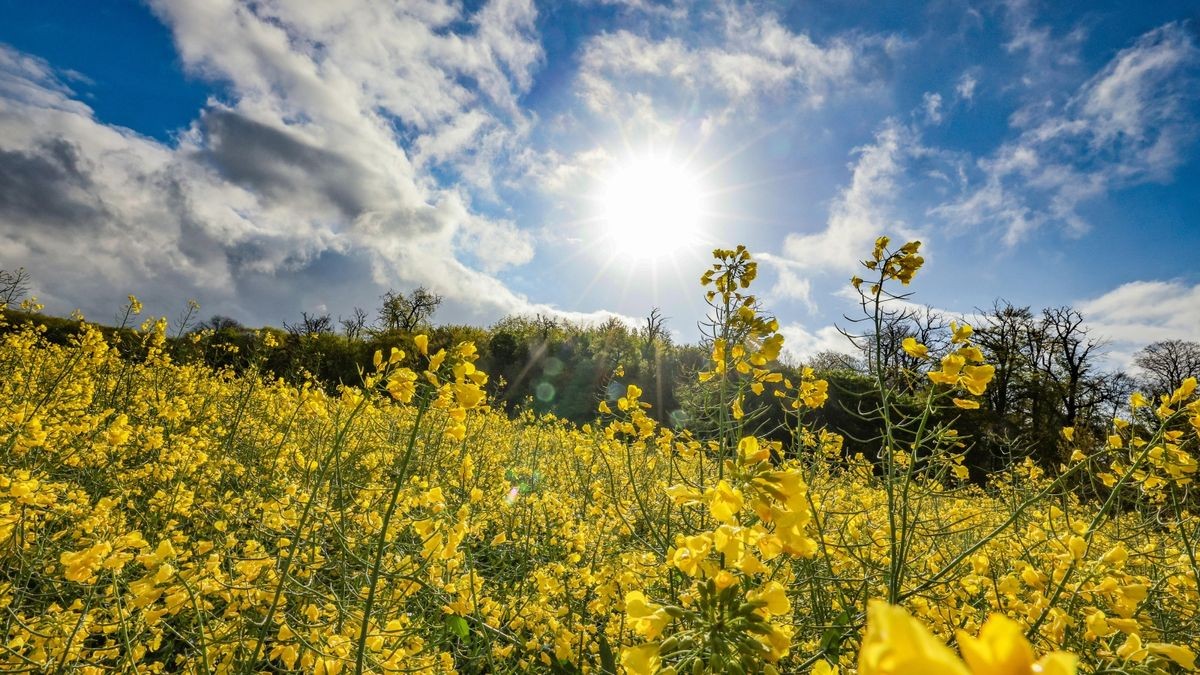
642 81
932 104
862 211
1130 123
801 343
1045 51
789 284
1137 313
966 87
317 158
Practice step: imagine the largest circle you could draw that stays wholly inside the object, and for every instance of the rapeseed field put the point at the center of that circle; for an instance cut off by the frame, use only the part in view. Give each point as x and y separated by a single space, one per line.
162 517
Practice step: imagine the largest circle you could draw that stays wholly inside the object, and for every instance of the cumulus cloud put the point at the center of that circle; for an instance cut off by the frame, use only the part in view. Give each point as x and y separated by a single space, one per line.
318 156
801 343
862 210
1137 313
789 282
748 58
1130 123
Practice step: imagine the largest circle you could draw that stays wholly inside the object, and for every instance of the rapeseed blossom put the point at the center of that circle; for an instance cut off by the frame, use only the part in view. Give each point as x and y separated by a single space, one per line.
158 516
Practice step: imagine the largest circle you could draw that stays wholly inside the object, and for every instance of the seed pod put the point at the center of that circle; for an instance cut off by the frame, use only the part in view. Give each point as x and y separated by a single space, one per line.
669 645
674 612
750 607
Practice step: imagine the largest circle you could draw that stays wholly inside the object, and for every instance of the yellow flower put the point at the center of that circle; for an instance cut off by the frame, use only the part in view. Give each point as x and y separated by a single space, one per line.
468 394
1184 391
897 644
422 342
402 385
1184 657
824 668
976 378
647 618
641 660
966 404
952 365
1000 649
726 503
880 244
630 399
435 361
915 349
775 597
961 333
751 452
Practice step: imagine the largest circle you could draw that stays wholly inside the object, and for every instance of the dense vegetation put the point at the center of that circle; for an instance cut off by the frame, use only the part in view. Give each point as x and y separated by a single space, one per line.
1050 372
213 502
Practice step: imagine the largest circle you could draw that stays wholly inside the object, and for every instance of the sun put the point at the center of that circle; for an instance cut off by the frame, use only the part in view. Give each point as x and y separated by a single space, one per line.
651 206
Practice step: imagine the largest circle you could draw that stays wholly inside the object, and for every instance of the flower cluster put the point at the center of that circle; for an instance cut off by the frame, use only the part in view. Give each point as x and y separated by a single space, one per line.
159 516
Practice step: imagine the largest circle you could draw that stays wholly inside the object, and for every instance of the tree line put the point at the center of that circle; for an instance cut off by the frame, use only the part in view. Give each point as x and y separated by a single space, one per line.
1050 369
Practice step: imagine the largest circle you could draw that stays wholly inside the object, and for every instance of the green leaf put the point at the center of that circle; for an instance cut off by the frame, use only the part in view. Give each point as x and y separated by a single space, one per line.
458 626
608 662
831 640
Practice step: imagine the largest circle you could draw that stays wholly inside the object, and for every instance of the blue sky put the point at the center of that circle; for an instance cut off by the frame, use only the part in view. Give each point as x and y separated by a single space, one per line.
269 158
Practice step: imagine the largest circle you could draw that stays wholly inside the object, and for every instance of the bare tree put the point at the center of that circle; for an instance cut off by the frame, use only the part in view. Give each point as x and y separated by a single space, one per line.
407 313
310 325
1070 363
1004 332
1167 363
1113 394
13 287
923 324
355 324
654 330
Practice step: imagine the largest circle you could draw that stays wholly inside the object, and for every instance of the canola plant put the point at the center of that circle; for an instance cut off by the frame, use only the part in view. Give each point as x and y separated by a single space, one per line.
161 517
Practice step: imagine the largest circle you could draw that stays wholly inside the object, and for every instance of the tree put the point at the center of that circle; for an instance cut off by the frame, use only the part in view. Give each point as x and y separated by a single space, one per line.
923 324
218 323
1072 364
310 325
1167 363
13 287
654 330
829 360
354 325
1003 333
407 313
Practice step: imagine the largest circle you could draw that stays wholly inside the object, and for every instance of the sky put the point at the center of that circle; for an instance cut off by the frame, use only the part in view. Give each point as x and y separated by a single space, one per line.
582 159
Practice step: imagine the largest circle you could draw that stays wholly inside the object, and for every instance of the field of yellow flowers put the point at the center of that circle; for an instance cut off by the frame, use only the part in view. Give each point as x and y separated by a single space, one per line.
160 517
